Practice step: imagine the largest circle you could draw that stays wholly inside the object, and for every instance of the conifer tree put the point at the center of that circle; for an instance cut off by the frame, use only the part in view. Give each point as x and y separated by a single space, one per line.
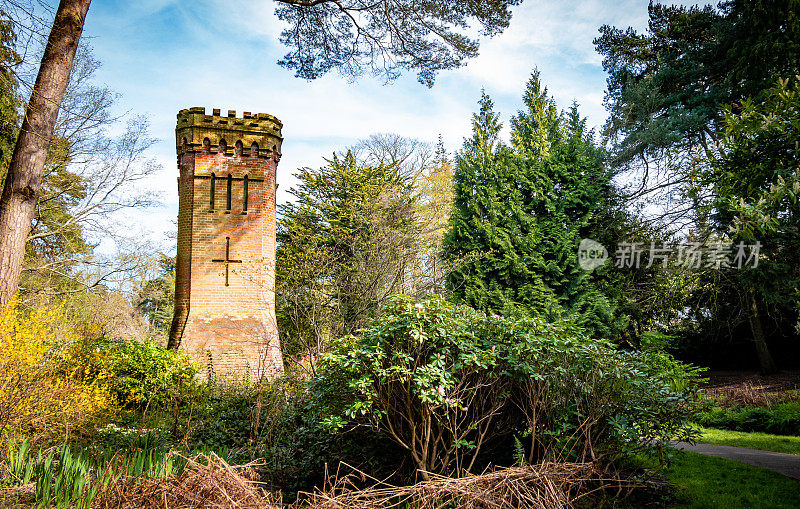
490 230
343 248
521 211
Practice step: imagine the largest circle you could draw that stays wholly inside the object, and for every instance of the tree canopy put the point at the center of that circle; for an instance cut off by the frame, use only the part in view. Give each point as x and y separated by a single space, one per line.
746 187
666 86
387 37
342 249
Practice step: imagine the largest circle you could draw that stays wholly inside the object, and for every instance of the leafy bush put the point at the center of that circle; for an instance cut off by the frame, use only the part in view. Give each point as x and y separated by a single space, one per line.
783 419
300 450
653 348
445 382
145 375
44 386
225 415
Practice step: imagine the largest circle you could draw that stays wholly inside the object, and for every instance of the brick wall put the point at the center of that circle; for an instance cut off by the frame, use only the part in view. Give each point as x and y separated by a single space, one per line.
230 327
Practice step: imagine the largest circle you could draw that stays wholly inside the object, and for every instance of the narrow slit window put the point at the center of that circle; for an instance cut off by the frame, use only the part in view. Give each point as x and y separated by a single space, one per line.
213 192
230 188
244 193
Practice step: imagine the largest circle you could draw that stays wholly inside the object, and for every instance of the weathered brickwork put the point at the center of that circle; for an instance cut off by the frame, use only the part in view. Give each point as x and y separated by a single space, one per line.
225 265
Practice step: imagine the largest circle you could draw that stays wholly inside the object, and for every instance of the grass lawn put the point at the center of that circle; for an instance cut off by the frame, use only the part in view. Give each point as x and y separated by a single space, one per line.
705 482
764 441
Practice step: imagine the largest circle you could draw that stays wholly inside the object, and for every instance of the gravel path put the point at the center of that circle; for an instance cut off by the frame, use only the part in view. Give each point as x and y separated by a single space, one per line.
786 464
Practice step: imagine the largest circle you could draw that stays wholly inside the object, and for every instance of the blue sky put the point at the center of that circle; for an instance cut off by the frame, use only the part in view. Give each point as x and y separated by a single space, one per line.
165 55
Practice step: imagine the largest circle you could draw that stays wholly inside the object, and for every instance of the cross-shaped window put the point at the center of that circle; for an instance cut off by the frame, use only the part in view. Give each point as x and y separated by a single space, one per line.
227 261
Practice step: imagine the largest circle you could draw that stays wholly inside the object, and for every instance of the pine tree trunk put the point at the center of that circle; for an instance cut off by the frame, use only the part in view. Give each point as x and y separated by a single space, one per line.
765 361
24 179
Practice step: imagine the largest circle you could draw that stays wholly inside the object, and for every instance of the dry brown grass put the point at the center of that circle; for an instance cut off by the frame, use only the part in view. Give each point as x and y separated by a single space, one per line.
753 390
206 482
14 497
209 482
542 486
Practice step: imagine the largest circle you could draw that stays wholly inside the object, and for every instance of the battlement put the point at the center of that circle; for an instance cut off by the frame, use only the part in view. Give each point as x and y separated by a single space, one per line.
196 127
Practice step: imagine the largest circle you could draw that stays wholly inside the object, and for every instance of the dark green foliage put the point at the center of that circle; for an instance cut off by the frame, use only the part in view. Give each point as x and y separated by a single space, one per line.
280 422
753 171
222 419
521 211
302 447
756 187
696 122
55 231
9 100
483 181
665 87
447 384
745 189
360 36
749 183
782 419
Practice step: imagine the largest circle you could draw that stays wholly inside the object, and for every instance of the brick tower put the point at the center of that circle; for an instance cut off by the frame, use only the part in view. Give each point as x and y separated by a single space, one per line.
225 265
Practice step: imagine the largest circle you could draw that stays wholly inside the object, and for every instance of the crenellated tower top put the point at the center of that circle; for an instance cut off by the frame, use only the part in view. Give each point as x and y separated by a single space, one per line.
261 131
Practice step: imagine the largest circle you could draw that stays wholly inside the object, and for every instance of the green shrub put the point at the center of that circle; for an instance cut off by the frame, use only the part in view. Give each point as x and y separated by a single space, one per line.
221 418
782 419
681 376
145 375
300 451
448 383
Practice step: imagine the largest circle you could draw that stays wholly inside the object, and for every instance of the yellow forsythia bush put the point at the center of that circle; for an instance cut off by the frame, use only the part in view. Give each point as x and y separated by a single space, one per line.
45 388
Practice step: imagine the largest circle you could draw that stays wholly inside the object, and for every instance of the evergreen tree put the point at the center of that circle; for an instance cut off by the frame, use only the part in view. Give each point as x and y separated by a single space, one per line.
344 244
156 297
574 202
536 130
9 97
586 208
747 186
487 220
675 93
665 86
521 211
